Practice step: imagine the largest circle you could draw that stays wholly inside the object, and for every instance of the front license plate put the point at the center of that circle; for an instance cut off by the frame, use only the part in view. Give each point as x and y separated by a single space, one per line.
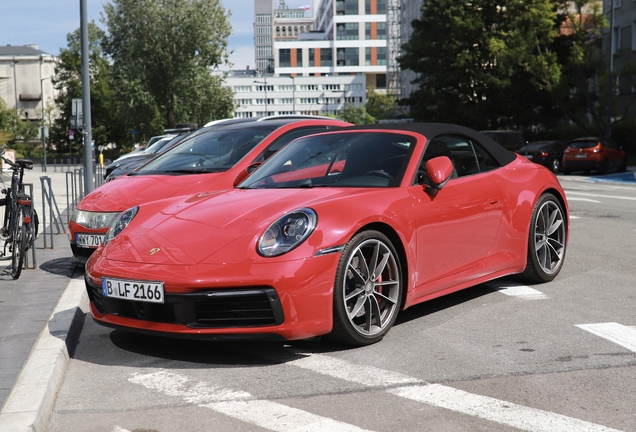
580 156
91 241
145 291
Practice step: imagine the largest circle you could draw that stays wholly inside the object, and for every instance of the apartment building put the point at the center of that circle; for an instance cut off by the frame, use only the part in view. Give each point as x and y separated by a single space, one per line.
25 80
257 95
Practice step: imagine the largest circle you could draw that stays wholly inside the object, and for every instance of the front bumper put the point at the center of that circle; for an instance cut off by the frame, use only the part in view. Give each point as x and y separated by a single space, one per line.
273 301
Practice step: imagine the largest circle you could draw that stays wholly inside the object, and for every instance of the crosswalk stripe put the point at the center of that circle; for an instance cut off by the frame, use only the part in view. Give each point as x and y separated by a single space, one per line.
495 410
484 407
240 405
619 334
516 290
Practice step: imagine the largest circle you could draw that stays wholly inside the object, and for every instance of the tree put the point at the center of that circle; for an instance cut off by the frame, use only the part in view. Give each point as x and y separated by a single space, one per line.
107 123
356 115
161 51
378 105
482 63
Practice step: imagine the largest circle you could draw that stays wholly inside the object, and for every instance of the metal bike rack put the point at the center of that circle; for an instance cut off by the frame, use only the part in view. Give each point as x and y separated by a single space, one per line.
54 212
26 265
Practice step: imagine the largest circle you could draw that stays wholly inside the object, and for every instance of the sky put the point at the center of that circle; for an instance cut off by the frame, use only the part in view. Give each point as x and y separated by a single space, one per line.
46 23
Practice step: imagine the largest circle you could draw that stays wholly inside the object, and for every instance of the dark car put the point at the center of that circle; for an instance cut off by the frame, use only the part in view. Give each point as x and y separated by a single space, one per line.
508 139
546 153
594 154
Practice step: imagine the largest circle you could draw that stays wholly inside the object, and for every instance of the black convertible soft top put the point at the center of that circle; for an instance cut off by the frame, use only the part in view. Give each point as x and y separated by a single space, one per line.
432 130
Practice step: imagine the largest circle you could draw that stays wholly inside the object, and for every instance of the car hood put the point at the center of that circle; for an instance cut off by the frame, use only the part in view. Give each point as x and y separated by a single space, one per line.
187 230
128 191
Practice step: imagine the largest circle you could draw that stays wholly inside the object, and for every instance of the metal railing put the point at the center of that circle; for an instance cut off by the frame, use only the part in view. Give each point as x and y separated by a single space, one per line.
48 201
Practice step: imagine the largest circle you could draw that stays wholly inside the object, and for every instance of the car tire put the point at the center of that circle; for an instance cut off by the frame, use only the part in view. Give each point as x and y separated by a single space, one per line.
604 167
555 166
366 304
546 240
623 166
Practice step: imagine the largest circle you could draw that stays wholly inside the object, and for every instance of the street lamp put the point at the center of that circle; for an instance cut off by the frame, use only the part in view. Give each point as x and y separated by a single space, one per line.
293 94
264 82
15 89
43 135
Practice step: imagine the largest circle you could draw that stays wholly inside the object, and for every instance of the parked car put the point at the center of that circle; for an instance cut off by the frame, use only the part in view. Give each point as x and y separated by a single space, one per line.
594 154
546 153
128 165
334 234
509 139
206 161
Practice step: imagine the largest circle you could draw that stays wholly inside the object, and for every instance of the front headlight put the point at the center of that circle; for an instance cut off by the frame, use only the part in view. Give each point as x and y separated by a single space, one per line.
287 232
93 220
120 223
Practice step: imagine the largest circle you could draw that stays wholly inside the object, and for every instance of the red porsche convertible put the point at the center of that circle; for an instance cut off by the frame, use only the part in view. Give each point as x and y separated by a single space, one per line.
335 234
207 159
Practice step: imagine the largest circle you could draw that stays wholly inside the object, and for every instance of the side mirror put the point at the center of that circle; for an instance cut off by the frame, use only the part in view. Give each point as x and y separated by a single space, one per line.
246 173
439 171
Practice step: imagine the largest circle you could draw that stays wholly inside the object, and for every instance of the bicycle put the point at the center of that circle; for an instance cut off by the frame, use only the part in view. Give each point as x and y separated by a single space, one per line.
19 228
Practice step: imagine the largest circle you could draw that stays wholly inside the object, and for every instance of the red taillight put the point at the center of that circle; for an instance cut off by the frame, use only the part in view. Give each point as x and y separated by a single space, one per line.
27 219
544 154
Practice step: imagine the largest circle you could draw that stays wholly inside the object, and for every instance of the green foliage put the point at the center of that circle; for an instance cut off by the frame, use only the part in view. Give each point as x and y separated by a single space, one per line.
378 105
356 115
162 53
476 60
107 125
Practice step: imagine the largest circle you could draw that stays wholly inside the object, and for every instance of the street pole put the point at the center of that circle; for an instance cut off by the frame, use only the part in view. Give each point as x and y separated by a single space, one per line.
293 94
15 88
43 135
89 184
264 82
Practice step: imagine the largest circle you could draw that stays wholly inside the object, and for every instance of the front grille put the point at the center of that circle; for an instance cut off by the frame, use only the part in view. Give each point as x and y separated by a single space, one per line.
220 308
80 251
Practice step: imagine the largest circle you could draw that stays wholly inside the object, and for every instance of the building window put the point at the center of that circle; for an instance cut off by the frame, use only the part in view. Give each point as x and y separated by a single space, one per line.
326 57
309 87
382 56
263 30
312 54
263 19
380 81
331 87
617 40
264 51
348 57
346 7
347 31
284 58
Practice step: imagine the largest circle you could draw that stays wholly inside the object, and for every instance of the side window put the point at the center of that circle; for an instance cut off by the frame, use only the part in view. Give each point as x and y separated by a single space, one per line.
467 155
286 139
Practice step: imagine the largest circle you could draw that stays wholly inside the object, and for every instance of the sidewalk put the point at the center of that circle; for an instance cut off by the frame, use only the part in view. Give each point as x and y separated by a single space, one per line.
34 332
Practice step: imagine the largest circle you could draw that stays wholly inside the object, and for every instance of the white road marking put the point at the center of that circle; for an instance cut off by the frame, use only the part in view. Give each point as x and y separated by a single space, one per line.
517 290
119 429
622 335
484 407
600 196
583 199
575 217
240 405
495 410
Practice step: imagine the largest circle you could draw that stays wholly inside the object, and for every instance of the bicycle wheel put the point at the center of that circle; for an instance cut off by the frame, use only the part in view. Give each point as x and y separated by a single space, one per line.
18 245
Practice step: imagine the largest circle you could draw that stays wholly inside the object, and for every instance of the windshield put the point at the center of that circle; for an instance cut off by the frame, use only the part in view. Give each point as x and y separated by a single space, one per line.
210 151
359 159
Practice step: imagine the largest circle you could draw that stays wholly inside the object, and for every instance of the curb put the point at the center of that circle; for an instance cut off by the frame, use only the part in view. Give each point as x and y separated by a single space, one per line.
30 402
